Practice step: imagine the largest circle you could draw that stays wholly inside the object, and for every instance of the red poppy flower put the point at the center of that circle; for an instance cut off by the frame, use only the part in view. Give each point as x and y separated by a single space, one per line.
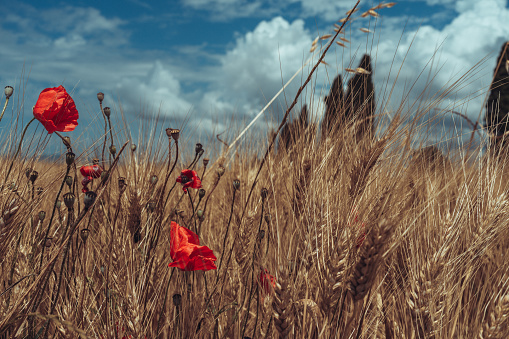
93 171
189 178
56 110
89 172
186 252
267 281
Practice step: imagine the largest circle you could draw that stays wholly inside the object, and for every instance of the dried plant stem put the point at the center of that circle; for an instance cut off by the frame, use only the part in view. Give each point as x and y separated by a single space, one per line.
226 235
53 214
17 151
283 122
5 107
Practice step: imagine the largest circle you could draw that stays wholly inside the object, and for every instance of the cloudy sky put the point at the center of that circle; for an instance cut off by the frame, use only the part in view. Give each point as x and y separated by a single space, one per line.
201 63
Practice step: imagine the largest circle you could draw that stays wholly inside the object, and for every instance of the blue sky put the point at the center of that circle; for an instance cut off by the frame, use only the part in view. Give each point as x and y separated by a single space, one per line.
201 63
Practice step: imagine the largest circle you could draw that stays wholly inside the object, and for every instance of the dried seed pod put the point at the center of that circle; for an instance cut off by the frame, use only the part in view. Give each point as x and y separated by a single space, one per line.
48 242
153 179
84 233
205 162
113 150
175 133
69 181
236 184
201 193
100 97
177 299
89 199
107 111
133 147
8 90
69 158
33 176
42 215
69 200
264 193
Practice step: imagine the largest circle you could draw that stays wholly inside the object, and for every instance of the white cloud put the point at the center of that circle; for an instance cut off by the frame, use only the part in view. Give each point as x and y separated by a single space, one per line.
252 71
158 88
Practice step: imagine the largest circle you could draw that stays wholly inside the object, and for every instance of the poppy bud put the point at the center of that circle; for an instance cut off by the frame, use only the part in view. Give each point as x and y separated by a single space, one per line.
201 193
104 176
95 161
100 97
69 158
84 233
177 299
264 193
89 199
175 133
68 181
59 204
261 234
113 150
198 148
133 147
8 90
205 162
40 190
220 171
121 184
168 132
107 111
153 179
199 213
69 200
48 242
28 171
66 141
236 184
33 176
42 215
267 218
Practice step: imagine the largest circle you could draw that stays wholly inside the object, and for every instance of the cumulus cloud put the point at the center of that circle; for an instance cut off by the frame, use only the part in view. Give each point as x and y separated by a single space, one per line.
253 70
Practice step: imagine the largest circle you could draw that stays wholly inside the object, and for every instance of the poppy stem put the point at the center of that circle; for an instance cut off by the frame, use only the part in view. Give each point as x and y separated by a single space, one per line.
226 236
18 150
192 215
5 106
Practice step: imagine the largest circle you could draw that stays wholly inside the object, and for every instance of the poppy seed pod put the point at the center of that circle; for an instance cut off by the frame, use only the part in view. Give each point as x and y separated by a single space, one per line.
40 190
220 171
201 193
198 148
175 133
42 215
177 299
133 147
121 184
33 176
153 179
28 171
95 161
68 181
8 90
69 200
151 205
264 193
168 132
236 184
89 199
69 158
113 150
205 162
59 204
261 234
107 111
48 242
100 97
84 233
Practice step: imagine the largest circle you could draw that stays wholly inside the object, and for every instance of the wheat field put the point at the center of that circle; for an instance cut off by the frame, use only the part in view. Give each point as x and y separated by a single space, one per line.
337 234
